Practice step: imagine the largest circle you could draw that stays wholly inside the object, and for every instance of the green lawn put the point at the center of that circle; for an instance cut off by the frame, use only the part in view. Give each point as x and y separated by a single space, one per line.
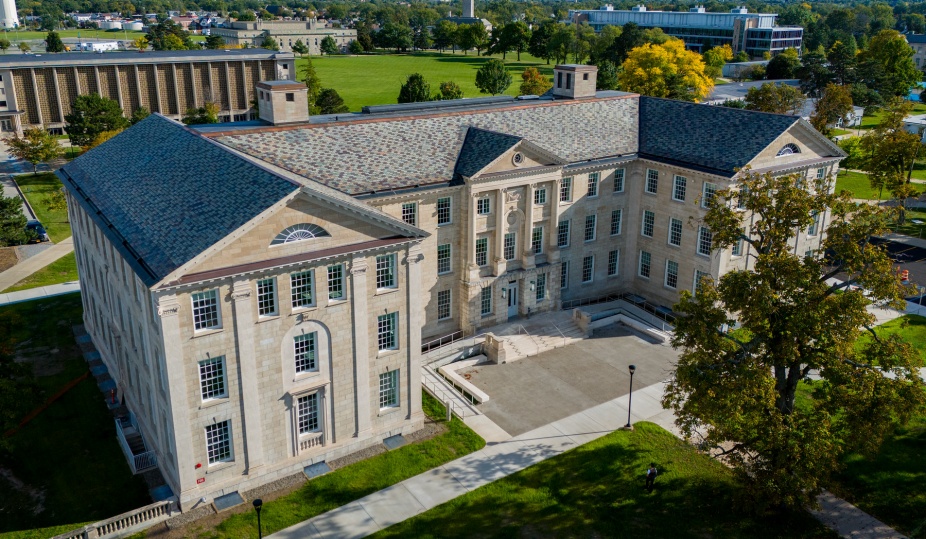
62 270
870 122
910 327
858 184
909 227
596 490
99 35
376 79
350 483
37 188
69 452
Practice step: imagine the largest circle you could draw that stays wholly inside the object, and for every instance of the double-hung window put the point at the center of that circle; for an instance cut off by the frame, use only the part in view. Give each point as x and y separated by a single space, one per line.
708 194
649 222
387 331
616 217
509 247
671 274
443 211
652 181
206 310
646 261
389 389
588 269
821 173
675 231
698 280
212 378
815 225
593 184
619 180
443 259
540 196
485 301
305 353
301 287
704 241
410 213
614 258
336 282
562 233
385 271
537 240
483 206
564 274
307 413
267 297
565 190
541 287
679 188
218 442
482 251
443 304
590 224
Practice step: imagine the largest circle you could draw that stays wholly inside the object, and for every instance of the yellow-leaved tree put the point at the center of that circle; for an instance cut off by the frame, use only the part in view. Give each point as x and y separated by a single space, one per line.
666 70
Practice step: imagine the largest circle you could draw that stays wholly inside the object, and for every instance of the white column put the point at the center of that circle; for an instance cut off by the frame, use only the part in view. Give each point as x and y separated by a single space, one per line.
359 292
413 283
500 266
247 373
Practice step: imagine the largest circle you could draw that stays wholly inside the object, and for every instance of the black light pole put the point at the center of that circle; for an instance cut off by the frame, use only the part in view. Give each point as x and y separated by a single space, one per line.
632 369
257 505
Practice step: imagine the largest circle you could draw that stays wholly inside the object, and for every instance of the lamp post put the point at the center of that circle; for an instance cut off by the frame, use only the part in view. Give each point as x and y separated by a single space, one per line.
257 505
632 369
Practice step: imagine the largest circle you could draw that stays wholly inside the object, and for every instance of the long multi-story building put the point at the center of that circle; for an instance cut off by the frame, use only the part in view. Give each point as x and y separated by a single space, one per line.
39 89
285 33
260 293
755 33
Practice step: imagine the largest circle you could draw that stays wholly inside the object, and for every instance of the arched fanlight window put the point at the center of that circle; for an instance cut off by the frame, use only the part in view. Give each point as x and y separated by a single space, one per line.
303 231
788 149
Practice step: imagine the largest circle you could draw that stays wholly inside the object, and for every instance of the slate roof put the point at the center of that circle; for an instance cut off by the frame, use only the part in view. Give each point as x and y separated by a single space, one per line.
713 139
481 147
163 206
383 154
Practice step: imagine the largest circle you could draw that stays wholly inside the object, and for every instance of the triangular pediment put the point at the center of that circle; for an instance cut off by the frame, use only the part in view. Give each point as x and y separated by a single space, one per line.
488 152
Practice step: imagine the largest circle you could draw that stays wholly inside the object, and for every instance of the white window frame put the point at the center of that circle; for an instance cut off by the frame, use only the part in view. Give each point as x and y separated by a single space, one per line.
814 227
696 285
614 263
669 264
483 206
389 388
387 328
386 266
510 251
679 186
212 296
482 256
565 189
410 213
215 443
444 258
540 196
267 296
563 229
564 274
617 217
649 264
593 179
444 299
308 356
541 287
593 221
672 228
338 269
702 230
316 396
710 188
588 268
619 175
297 290
209 380
537 240
485 301
652 181
648 222
444 203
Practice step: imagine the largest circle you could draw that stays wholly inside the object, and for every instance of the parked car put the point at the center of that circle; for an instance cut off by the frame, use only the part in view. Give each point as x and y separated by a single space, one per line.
37 233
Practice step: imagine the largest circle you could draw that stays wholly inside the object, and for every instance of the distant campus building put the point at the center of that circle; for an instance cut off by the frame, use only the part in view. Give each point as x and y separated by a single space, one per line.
286 33
755 33
260 291
39 89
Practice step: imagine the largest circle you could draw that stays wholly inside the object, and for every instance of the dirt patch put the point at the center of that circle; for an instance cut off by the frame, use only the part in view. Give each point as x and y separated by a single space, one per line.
8 258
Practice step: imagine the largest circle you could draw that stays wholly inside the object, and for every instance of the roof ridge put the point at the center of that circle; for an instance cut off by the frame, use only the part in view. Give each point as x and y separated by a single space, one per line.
739 111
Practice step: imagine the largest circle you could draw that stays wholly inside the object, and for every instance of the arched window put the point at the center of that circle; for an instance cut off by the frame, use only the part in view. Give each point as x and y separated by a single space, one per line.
303 231
788 149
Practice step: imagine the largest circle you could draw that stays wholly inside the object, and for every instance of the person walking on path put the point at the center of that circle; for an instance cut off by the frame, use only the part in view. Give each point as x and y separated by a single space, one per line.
651 476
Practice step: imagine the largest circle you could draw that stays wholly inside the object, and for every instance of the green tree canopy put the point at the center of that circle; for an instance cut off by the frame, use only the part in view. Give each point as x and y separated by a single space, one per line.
4 44
533 82
354 48
415 89
890 50
607 76
783 65
329 46
891 150
312 82
842 59
270 43
300 48
215 42
739 389
814 74
35 146
775 98
53 42
90 115
445 35
493 78
833 105
169 36
206 114
449 90
329 102
139 114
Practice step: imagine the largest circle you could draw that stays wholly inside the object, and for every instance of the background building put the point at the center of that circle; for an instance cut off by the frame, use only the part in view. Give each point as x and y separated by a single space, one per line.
8 16
755 33
38 90
286 33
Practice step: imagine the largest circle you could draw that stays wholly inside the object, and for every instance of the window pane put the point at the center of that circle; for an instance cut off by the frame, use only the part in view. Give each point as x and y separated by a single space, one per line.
652 180
509 246
302 290
649 220
645 264
336 282
619 180
564 275
679 189
307 413
218 442
443 258
266 297
562 233
541 287
485 300
387 325
389 389
675 231
590 222
588 268
613 259
212 378
565 190
443 304
482 251
616 217
410 213
443 211
537 240
304 348
206 310
385 271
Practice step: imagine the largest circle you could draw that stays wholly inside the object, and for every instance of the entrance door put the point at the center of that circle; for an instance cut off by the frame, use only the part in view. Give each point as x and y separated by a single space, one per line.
512 299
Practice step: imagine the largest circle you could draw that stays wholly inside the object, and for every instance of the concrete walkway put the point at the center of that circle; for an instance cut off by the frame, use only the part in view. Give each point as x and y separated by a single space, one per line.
40 292
33 264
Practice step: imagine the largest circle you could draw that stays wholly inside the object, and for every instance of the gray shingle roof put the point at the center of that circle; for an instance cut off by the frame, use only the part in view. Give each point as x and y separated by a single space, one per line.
714 139
481 147
165 194
384 154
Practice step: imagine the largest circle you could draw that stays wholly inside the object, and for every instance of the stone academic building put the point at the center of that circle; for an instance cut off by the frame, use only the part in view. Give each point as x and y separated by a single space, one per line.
260 292
39 89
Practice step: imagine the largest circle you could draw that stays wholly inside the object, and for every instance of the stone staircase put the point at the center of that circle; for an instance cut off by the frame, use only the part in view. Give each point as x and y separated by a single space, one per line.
535 336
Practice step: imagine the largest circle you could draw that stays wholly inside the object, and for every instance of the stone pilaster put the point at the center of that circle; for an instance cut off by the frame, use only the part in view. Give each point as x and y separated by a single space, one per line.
169 311
528 226
413 284
360 290
248 373
500 228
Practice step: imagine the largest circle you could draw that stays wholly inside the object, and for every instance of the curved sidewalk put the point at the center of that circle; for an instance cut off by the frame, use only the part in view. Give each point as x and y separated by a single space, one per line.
33 264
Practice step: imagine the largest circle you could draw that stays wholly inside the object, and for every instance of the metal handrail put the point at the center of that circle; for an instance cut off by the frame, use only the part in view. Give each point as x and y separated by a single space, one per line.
531 337
560 332
644 305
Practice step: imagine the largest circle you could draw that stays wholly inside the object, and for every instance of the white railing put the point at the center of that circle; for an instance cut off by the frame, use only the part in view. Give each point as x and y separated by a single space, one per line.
446 397
138 463
438 349
310 442
125 524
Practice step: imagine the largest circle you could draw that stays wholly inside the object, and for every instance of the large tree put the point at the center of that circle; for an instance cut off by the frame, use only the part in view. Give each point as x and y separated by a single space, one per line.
168 35
449 90
890 50
12 222
53 42
784 65
843 61
35 146
215 42
330 102
493 77
415 89
715 58
776 98
206 114
329 46
739 389
90 115
833 105
891 151
607 76
533 82
666 70
539 44
445 35
814 74
312 82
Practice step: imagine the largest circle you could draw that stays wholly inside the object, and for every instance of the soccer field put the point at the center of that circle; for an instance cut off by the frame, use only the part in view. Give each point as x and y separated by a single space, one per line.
376 79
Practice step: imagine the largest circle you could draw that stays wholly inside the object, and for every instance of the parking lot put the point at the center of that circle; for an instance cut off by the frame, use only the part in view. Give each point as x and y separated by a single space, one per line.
538 390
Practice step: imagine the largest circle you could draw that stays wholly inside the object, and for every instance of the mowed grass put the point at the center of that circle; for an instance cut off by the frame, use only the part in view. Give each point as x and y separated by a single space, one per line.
910 327
860 186
872 121
350 483
68 453
596 490
38 189
96 35
62 270
376 79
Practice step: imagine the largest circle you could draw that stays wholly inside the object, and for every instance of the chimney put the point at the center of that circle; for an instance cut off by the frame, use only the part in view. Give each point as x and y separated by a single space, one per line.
282 102
469 8
574 81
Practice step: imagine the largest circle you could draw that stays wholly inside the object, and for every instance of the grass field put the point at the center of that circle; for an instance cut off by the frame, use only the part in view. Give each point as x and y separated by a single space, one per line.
37 189
910 327
68 454
98 35
858 184
596 490
62 270
376 79
347 484
870 122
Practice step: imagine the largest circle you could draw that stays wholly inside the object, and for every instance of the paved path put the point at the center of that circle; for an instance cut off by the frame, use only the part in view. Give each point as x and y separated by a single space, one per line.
40 292
31 265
